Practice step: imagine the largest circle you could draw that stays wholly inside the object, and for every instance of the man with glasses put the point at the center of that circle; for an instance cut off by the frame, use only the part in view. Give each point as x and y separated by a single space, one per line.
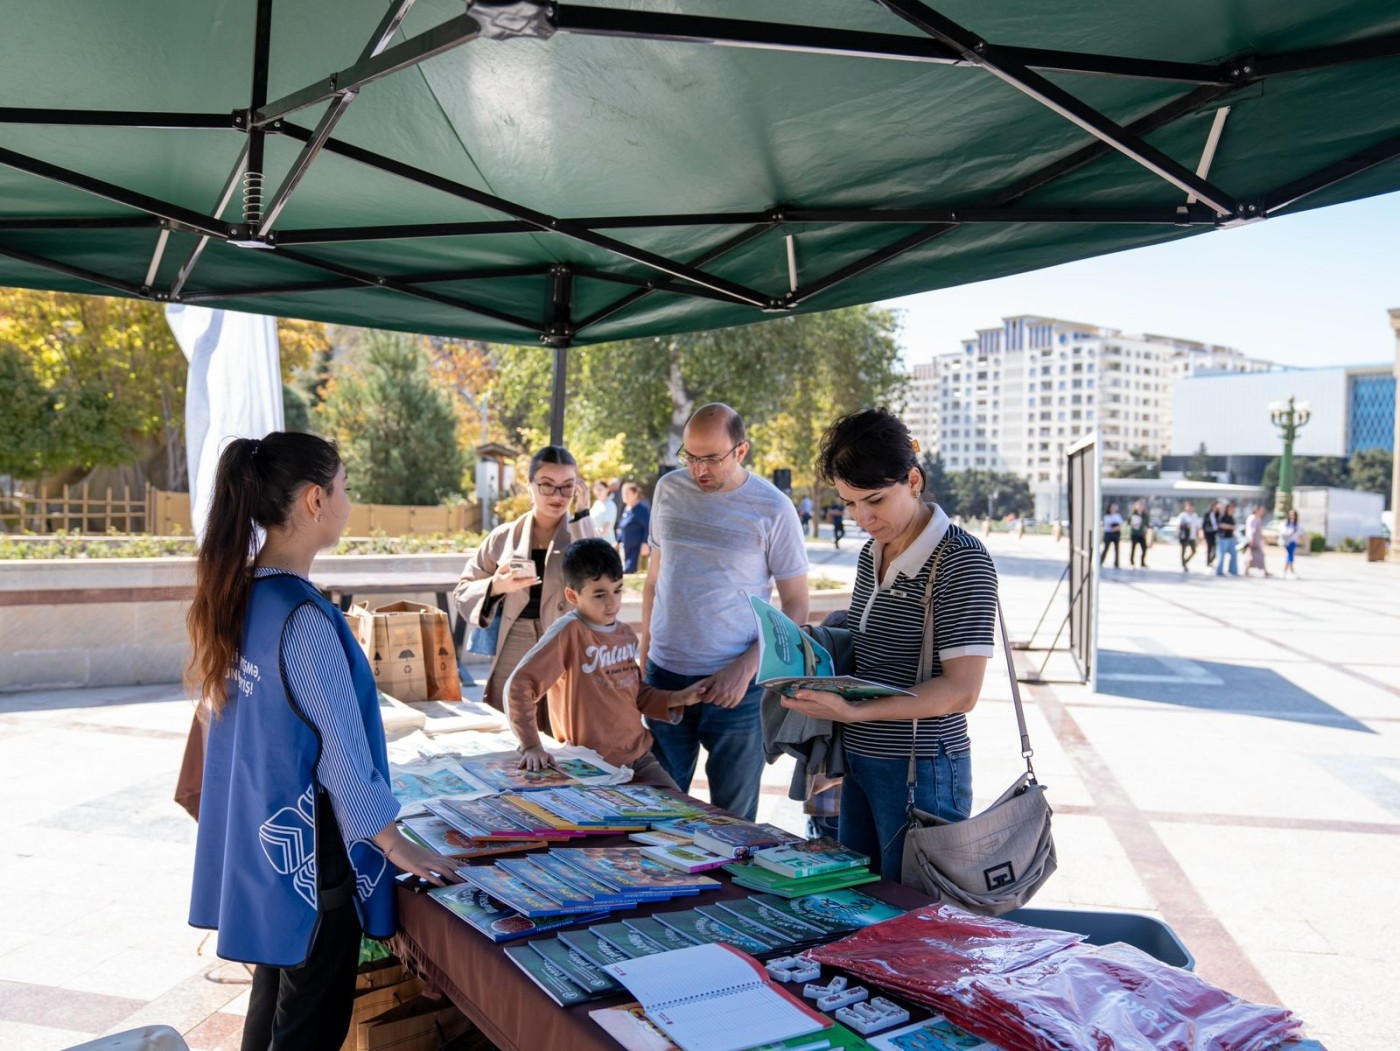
718 535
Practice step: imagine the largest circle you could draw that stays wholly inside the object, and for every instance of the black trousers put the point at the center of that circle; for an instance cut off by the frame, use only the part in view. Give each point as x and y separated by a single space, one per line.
1210 549
1139 540
1188 552
1109 540
307 1008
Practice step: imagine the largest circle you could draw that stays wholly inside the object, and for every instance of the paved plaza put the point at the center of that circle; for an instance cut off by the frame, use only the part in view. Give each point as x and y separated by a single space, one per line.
1237 774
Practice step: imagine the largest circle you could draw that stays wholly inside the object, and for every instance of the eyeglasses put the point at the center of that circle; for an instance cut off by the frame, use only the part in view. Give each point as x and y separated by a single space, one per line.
548 489
691 460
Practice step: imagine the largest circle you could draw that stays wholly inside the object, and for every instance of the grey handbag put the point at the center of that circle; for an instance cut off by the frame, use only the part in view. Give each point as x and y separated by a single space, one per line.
992 862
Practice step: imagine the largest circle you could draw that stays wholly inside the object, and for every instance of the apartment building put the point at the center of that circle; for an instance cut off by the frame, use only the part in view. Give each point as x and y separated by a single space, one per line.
1016 396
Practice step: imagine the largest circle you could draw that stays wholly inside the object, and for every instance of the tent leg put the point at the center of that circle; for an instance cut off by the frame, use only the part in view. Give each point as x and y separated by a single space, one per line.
559 332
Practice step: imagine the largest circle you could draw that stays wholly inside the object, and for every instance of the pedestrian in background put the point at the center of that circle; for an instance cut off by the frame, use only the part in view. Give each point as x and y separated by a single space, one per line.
804 512
836 515
1188 526
1137 533
1210 529
603 512
1289 536
1254 540
1226 547
1112 534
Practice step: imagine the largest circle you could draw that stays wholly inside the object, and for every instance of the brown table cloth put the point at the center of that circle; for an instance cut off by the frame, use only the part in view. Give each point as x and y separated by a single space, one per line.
510 1009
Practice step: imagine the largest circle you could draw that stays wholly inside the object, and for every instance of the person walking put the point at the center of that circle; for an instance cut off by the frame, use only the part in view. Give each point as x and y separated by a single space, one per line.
804 512
603 512
719 533
633 526
869 456
1187 529
1210 529
1254 540
298 842
836 515
1137 533
1112 534
517 573
1226 549
1290 535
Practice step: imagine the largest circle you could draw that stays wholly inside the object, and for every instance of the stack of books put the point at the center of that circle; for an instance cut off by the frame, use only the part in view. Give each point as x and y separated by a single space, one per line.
708 841
793 870
560 813
433 832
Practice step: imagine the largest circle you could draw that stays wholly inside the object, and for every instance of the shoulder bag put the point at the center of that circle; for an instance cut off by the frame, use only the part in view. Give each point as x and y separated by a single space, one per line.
992 862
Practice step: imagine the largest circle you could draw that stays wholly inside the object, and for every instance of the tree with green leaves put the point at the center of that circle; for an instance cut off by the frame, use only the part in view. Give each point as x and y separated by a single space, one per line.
1199 468
1307 470
27 422
396 429
1370 471
972 492
935 476
1141 463
789 378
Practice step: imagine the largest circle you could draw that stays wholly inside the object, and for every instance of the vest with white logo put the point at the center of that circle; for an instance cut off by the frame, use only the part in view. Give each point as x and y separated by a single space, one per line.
256 856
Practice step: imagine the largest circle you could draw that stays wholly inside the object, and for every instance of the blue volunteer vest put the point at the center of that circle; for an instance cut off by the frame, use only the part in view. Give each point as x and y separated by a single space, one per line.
255 857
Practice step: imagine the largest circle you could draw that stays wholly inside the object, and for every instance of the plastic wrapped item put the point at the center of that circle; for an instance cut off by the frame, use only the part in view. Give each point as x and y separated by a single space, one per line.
1112 997
922 953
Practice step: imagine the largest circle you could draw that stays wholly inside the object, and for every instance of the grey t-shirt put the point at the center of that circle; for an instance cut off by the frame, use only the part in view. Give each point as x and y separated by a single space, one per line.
716 549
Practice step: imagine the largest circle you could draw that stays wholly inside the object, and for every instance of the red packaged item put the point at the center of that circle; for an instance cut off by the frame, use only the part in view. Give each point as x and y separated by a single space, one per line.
1112 998
923 953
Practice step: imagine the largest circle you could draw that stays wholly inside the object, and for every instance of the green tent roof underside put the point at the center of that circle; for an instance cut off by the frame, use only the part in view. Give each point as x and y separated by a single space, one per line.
671 156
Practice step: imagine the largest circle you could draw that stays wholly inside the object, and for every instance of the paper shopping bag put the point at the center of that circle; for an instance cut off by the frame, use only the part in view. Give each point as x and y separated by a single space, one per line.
371 1003
409 646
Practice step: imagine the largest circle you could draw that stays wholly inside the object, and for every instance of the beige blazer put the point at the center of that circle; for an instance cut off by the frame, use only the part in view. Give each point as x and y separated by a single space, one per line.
512 540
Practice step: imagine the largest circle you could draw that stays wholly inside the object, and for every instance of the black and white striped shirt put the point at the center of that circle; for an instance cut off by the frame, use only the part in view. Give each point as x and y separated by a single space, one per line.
888 622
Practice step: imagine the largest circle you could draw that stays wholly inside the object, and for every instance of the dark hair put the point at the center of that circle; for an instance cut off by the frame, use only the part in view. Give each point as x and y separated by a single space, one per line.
868 449
256 484
555 454
590 559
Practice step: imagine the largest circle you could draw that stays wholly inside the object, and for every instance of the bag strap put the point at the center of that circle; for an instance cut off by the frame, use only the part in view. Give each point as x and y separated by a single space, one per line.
926 672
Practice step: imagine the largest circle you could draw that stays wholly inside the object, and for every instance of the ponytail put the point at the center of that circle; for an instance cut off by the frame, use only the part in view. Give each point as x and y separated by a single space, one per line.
256 484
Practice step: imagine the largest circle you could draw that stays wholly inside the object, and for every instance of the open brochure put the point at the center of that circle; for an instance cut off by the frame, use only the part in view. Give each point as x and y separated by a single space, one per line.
789 660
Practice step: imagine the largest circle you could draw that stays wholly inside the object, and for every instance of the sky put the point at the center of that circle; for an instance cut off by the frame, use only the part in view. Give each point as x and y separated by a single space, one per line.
1303 290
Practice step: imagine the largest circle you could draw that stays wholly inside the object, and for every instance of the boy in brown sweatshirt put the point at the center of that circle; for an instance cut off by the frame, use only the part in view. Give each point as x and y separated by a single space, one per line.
592 657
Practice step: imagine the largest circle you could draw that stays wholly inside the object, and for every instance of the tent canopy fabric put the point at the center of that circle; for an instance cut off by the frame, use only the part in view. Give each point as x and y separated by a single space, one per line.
568 173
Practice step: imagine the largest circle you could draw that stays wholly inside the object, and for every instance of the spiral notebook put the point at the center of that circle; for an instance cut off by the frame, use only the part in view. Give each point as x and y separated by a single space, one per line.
715 998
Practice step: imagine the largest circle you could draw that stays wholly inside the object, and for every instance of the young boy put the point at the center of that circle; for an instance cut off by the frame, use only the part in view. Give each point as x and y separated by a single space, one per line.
593 658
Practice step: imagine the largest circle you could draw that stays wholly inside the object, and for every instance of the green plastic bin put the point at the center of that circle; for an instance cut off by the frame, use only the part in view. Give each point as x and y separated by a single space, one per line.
1147 933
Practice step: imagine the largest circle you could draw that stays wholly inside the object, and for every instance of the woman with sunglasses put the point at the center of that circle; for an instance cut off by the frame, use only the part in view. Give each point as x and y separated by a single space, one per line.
517 572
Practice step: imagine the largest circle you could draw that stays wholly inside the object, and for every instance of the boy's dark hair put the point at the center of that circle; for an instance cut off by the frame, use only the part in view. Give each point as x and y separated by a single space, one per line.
590 559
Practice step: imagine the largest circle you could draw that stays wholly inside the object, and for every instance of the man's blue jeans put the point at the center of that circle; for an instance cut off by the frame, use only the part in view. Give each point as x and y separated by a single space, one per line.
875 794
1229 548
733 737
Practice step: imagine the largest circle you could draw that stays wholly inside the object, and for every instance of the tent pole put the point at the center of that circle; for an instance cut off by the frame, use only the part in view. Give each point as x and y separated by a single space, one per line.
559 333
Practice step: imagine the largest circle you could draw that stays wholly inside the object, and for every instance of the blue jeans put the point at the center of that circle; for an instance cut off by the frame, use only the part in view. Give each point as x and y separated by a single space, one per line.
1229 548
733 737
875 793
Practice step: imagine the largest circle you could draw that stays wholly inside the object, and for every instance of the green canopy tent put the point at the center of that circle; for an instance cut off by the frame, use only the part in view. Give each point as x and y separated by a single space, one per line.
570 173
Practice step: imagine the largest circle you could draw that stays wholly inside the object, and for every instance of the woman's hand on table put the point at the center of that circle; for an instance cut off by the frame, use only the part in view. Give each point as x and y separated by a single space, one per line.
823 704
408 856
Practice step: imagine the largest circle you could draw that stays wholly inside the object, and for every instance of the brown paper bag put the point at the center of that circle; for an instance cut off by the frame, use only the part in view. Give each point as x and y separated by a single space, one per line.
444 681
422 1024
409 646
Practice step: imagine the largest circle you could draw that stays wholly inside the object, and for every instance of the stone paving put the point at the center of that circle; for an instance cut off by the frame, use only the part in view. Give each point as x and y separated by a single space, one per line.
1237 774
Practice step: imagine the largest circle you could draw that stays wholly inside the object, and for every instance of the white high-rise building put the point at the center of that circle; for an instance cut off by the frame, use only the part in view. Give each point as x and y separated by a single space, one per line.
1016 396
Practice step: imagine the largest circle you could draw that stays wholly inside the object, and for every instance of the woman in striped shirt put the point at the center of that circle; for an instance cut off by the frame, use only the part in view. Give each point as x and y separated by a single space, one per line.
873 462
297 838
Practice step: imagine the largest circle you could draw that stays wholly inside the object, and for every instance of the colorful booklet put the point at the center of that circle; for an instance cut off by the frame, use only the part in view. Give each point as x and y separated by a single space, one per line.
714 998
434 778
581 970
836 913
547 883
790 660
628 869
811 857
498 923
730 840
605 896
480 821
520 896
572 766
932 1034
436 834
550 977
752 877
704 929
686 858
660 836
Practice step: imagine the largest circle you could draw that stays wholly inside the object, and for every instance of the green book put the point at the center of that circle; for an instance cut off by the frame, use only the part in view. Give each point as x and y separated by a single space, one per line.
547 976
659 932
580 970
626 940
746 926
754 878
705 930
835 912
592 948
786 926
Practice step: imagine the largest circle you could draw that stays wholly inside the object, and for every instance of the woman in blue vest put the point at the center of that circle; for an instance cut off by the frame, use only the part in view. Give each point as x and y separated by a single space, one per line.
297 844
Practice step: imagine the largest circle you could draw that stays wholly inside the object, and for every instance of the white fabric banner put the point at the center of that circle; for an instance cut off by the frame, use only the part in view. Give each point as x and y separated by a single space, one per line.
234 389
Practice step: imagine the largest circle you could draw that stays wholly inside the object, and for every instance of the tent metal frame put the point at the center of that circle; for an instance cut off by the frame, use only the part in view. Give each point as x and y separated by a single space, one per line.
941 41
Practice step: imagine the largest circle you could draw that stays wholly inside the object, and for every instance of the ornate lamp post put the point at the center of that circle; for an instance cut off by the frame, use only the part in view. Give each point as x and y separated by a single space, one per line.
1289 418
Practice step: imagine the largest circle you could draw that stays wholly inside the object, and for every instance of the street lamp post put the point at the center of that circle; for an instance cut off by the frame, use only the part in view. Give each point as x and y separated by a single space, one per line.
1289 418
